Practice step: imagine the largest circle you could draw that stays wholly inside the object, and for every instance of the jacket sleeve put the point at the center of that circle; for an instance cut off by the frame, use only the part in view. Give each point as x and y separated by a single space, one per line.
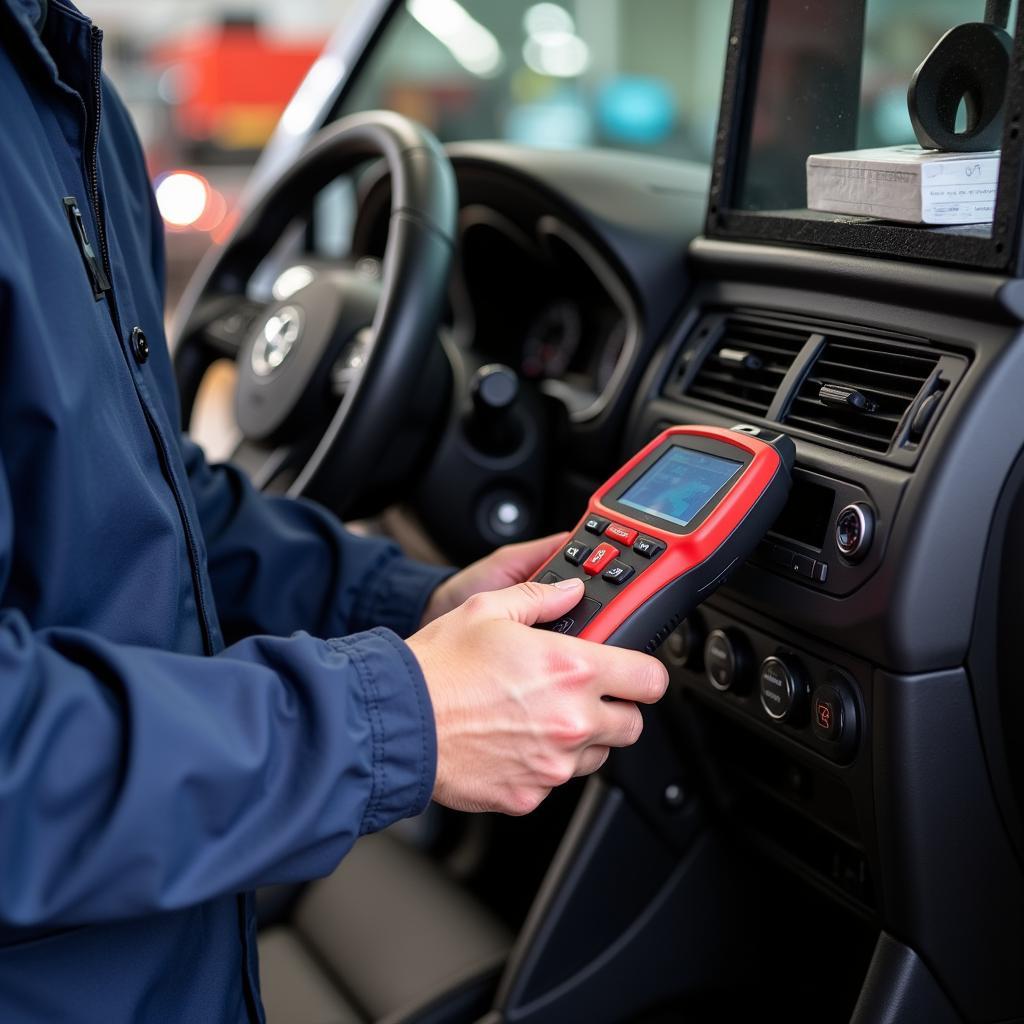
282 564
135 780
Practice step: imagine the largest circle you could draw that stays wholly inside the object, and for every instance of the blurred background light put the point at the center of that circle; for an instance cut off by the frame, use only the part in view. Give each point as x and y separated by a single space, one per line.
182 197
542 18
472 45
636 110
290 281
559 54
560 122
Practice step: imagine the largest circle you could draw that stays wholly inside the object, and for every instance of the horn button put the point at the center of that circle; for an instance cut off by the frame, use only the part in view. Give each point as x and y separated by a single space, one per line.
285 373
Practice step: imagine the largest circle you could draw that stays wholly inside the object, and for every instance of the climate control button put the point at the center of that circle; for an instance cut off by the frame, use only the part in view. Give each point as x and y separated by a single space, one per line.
727 659
685 646
783 688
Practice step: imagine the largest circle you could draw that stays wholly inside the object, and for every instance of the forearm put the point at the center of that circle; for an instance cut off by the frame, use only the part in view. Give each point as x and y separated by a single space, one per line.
280 565
134 780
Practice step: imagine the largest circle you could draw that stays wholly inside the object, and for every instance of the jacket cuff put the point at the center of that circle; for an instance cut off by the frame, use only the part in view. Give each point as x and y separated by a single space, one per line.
398 595
401 717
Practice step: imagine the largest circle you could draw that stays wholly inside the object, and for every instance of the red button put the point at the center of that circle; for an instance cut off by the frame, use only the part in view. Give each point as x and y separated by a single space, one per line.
620 532
603 554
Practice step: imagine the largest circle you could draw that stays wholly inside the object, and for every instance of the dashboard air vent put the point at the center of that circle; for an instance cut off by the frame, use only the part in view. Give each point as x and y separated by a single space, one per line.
747 364
858 392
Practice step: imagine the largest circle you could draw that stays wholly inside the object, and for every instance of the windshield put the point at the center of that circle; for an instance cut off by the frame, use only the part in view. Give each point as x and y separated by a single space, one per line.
643 75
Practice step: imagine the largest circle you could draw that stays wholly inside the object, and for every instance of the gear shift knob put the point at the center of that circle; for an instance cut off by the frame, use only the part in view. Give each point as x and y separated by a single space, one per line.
493 425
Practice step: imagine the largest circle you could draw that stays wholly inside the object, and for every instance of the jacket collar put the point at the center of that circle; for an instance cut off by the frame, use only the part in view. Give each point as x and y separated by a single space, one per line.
63 46
31 12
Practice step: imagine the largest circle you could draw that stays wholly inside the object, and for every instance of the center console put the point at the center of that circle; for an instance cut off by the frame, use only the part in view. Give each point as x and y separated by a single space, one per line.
817 824
823 821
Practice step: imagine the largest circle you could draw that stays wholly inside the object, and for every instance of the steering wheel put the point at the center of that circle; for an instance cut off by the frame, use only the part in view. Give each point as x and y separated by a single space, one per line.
332 367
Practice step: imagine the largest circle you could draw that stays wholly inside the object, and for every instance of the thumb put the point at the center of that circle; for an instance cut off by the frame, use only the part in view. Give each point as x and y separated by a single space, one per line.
539 602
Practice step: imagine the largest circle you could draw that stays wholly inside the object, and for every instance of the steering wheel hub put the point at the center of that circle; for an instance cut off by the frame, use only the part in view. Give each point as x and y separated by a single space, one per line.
279 335
286 382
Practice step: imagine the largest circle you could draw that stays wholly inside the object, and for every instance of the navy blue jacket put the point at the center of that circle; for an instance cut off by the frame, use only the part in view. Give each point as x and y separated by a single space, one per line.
151 777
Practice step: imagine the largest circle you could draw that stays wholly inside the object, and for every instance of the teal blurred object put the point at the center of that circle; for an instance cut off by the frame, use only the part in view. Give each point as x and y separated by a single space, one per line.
558 122
636 110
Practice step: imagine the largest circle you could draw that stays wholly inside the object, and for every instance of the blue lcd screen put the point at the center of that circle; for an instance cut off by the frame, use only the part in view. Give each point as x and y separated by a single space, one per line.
680 484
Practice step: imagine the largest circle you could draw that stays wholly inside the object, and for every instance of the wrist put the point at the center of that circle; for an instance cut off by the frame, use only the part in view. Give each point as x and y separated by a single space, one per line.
439 603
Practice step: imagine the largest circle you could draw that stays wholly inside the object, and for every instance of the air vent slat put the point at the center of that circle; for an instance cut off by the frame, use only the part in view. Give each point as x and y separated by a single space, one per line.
838 433
813 408
727 380
845 372
747 364
903 362
726 398
890 376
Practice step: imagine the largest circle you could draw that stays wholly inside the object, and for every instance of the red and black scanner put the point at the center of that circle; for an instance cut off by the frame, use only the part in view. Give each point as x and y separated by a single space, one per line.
668 528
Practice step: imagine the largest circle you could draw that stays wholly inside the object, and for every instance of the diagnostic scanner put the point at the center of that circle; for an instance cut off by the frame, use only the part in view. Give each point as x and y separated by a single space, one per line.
668 528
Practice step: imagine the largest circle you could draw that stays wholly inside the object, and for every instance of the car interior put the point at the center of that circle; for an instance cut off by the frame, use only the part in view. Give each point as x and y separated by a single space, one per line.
503 326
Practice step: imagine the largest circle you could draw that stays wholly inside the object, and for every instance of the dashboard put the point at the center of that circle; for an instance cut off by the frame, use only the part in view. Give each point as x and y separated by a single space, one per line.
883 594
545 303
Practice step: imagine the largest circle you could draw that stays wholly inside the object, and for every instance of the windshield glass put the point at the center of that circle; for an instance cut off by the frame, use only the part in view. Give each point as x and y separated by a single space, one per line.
643 75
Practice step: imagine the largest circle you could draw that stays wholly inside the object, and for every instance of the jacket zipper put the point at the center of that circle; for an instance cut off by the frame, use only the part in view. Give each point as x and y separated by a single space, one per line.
95 200
92 146
96 203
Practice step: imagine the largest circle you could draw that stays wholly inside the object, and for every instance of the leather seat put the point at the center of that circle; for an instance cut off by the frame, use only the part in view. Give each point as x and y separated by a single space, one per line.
386 937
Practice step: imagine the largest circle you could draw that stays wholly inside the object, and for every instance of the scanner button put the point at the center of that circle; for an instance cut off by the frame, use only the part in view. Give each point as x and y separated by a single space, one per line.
575 552
573 621
595 524
648 548
617 573
619 532
603 556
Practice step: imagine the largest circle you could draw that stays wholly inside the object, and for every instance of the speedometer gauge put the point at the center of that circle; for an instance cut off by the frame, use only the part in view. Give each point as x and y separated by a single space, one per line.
552 340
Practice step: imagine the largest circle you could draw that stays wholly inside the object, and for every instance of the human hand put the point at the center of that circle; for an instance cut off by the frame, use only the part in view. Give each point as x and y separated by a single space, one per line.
503 567
521 710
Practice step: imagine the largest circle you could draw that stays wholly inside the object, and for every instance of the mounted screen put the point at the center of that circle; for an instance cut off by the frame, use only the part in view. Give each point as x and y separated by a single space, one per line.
832 78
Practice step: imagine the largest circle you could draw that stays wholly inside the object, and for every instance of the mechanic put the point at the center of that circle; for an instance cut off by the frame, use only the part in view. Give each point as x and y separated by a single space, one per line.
173 732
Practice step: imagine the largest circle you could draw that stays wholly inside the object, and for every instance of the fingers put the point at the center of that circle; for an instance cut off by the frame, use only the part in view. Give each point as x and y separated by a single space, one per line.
590 760
528 602
517 562
619 724
629 675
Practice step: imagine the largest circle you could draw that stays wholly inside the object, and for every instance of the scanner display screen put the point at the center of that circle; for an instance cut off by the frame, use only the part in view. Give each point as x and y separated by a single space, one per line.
679 484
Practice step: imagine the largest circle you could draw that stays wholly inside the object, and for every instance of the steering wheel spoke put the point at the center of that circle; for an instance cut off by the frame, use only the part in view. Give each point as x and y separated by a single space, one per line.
226 333
351 363
269 467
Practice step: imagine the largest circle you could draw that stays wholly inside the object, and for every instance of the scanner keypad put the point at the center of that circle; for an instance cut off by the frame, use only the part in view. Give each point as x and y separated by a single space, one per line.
606 568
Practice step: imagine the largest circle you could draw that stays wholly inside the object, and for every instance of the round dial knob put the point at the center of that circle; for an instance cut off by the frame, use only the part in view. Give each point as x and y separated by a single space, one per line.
783 688
855 527
685 645
727 659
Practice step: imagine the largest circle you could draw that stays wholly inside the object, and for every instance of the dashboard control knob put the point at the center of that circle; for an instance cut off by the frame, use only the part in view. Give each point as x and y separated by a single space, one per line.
855 528
493 425
685 645
504 515
834 711
727 660
783 688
